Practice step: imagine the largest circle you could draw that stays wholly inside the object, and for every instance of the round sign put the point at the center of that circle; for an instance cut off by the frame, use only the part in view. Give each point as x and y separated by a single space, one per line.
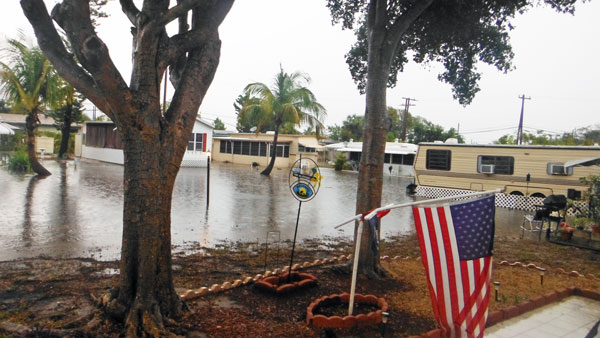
305 179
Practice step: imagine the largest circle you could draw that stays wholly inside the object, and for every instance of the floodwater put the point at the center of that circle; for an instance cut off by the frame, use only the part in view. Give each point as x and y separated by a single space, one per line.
77 212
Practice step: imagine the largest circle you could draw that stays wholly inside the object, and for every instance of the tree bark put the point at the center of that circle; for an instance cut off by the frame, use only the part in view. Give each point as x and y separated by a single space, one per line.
383 38
31 123
370 174
269 167
146 294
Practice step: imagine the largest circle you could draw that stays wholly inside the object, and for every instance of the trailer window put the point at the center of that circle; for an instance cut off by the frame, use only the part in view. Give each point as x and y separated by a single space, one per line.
504 165
437 159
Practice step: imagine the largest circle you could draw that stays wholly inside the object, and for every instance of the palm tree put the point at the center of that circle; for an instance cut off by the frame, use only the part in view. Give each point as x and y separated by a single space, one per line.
287 103
68 110
29 82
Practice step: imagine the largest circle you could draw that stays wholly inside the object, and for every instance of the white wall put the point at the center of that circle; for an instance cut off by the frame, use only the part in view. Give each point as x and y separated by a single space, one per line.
103 154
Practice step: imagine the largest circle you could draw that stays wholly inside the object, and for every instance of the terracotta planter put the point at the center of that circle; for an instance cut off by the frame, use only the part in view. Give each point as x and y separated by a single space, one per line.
363 319
280 285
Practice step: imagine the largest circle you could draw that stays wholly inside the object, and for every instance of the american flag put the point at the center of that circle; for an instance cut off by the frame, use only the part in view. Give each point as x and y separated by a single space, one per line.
456 243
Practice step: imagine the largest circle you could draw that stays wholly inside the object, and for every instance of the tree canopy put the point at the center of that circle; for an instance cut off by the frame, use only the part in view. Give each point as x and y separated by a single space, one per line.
585 136
458 34
418 129
219 125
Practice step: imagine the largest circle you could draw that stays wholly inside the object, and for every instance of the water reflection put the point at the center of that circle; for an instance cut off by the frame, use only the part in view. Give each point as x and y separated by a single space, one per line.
27 235
79 212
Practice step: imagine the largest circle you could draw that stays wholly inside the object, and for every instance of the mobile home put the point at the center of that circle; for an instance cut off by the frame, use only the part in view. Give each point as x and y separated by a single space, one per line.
524 170
101 141
398 161
256 149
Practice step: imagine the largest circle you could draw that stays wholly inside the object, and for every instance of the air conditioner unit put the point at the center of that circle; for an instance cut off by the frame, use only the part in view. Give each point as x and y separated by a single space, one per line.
487 168
557 169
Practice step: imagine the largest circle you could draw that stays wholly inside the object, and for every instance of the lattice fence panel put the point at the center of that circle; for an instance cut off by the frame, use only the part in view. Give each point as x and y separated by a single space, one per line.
502 200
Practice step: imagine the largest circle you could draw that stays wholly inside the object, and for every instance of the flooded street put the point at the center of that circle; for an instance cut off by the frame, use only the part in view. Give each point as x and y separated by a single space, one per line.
77 212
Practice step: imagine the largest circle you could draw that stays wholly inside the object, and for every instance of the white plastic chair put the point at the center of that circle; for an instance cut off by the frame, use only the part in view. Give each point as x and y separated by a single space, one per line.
530 224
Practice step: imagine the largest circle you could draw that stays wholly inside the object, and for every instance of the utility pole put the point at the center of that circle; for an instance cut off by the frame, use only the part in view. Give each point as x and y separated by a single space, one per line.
405 117
520 131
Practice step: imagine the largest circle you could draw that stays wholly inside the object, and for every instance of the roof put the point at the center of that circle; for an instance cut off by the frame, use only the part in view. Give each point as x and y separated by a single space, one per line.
586 162
390 147
205 122
6 129
528 146
20 119
230 138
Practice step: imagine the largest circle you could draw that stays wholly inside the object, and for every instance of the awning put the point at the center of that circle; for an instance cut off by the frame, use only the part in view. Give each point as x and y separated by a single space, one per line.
586 162
6 129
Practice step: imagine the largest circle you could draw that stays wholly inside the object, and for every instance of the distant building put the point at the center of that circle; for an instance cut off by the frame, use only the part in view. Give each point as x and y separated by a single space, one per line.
100 141
398 161
250 148
43 144
46 122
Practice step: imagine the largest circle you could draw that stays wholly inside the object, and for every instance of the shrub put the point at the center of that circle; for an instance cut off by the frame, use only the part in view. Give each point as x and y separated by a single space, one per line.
340 162
19 161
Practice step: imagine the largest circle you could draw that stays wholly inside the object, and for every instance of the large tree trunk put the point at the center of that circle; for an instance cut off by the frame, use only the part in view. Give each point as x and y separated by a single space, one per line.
146 295
31 123
269 167
66 133
383 39
370 174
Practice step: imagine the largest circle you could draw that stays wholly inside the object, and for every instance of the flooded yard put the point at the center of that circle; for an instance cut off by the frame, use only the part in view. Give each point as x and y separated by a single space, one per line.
77 212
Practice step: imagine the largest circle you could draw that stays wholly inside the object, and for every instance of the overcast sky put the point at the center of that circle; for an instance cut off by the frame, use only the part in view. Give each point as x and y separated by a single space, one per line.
556 60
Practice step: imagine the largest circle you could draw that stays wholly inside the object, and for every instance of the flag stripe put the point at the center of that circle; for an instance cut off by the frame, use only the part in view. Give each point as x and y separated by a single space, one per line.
444 288
423 236
437 276
447 242
456 242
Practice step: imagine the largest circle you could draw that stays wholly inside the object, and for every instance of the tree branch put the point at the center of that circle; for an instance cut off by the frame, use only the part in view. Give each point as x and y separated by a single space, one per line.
197 76
55 50
130 10
74 17
177 11
404 21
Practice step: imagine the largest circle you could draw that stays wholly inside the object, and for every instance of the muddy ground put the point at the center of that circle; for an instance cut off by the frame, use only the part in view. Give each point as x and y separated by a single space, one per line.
58 297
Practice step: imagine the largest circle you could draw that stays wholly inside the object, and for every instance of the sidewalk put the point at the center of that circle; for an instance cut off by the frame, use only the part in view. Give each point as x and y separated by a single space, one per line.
574 316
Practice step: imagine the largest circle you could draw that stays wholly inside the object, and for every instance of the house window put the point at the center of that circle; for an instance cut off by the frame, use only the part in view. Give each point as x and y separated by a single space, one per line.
237 147
408 159
437 159
225 147
396 159
283 150
196 142
245 148
504 165
262 151
355 156
304 149
386 158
